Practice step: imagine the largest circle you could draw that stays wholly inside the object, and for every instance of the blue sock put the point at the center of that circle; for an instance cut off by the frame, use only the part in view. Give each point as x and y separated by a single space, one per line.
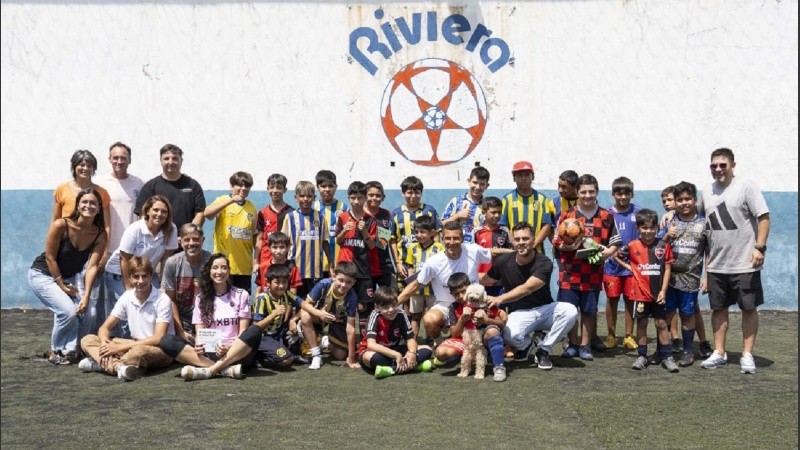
495 344
453 360
380 360
642 350
688 340
665 351
423 354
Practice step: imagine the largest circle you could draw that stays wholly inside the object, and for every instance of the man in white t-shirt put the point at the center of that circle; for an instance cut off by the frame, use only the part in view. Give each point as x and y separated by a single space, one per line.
456 257
123 188
737 227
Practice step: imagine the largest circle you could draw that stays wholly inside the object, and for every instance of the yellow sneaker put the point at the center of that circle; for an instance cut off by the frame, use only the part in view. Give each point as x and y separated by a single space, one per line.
629 342
611 341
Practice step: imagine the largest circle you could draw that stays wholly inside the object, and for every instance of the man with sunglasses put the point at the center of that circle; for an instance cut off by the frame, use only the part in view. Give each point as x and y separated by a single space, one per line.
737 223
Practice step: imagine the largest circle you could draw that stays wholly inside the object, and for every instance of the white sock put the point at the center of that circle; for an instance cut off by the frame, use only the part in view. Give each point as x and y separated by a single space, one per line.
316 362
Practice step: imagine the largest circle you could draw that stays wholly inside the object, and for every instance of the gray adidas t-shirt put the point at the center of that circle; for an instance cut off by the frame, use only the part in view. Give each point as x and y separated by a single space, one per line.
731 221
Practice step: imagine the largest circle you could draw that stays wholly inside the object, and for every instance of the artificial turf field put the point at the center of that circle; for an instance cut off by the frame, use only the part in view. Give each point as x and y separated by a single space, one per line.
599 404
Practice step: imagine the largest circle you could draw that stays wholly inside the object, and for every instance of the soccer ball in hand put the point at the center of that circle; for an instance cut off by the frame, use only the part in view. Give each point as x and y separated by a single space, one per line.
571 232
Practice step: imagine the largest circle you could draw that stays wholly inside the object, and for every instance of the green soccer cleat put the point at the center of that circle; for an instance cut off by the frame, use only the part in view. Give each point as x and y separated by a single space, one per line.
383 372
425 366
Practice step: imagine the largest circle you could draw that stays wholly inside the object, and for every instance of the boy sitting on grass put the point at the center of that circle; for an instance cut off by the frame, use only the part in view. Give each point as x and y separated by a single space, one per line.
389 345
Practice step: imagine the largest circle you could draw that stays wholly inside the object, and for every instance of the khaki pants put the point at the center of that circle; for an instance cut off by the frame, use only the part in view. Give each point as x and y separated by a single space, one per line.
143 356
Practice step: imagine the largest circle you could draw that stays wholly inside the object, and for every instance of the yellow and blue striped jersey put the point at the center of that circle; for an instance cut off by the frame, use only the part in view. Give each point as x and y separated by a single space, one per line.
307 232
535 209
331 213
403 225
416 257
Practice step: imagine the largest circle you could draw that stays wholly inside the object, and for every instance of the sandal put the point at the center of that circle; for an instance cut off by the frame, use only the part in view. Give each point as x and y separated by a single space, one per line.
54 358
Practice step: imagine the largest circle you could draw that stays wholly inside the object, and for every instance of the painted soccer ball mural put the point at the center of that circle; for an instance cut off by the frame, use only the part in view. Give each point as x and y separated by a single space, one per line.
433 112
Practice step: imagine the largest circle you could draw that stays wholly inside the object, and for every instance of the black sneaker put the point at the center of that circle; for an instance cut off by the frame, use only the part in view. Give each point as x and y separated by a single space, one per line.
654 359
677 347
598 344
705 349
522 355
687 359
544 360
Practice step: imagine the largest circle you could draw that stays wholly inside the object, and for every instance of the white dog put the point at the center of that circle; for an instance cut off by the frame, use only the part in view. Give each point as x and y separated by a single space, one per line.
475 351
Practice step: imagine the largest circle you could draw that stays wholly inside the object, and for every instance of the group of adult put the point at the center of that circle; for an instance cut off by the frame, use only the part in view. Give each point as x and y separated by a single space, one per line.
96 228
101 226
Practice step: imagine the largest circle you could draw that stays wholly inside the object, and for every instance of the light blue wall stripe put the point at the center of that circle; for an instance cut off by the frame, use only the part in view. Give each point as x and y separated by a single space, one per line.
25 216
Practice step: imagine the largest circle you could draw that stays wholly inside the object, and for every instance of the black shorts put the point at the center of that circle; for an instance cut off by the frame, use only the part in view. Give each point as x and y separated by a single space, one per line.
643 310
743 289
271 351
305 287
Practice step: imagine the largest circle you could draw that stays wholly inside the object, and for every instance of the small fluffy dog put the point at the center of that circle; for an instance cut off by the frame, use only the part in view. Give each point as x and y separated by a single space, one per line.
475 351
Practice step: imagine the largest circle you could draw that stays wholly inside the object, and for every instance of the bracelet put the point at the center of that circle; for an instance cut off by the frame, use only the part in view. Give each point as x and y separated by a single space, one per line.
57 278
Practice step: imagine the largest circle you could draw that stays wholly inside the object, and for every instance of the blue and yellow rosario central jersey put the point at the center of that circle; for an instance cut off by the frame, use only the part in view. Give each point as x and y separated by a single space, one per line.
330 211
264 305
560 206
403 225
535 209
307 232
416 257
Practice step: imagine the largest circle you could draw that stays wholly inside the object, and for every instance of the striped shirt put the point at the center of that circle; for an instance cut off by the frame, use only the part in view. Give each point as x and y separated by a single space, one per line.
475 219
331 212
416 257
403 225
307 232
535 209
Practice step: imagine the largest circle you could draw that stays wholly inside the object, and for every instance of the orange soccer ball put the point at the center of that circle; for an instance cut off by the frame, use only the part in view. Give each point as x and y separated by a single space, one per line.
570 231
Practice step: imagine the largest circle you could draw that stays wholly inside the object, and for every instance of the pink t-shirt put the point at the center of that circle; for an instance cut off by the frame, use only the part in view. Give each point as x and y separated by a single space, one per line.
228 311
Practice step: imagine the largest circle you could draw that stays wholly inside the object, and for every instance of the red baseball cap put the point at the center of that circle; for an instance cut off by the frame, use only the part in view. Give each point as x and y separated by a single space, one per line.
522 166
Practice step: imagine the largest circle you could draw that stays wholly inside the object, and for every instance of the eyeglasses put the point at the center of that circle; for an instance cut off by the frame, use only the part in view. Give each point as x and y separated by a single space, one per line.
722 166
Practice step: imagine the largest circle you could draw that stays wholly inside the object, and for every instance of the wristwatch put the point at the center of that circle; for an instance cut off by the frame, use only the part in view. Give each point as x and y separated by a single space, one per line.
761 248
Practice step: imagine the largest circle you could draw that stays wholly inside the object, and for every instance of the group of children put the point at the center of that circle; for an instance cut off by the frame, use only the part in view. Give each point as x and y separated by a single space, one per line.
327 264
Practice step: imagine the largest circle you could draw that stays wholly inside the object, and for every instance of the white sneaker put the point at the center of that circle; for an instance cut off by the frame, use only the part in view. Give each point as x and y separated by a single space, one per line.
499 373
324 343
90 365
714 361
129 373
189 373
234 371
316 362
748 363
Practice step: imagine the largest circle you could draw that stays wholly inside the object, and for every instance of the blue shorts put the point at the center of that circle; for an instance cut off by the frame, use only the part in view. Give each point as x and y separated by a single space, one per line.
684 302
585 301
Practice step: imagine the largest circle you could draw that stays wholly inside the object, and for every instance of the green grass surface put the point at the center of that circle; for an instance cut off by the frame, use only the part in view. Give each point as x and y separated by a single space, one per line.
599 404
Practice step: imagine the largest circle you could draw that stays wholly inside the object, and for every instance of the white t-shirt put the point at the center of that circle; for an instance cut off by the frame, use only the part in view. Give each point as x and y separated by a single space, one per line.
437 270
142 318
137 241
123 195
731 222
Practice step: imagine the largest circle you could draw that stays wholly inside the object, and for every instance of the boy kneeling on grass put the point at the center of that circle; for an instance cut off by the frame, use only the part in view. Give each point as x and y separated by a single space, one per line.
649 259
461 316
389 345
332 302
149 315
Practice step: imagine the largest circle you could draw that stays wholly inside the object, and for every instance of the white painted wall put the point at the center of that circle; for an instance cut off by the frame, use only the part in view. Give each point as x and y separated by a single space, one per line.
642 88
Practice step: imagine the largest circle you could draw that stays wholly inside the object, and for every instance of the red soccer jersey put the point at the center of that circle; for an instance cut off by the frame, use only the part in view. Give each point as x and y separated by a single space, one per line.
648 263
392 334
491 238
491 312
268 222
579 274
354 249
